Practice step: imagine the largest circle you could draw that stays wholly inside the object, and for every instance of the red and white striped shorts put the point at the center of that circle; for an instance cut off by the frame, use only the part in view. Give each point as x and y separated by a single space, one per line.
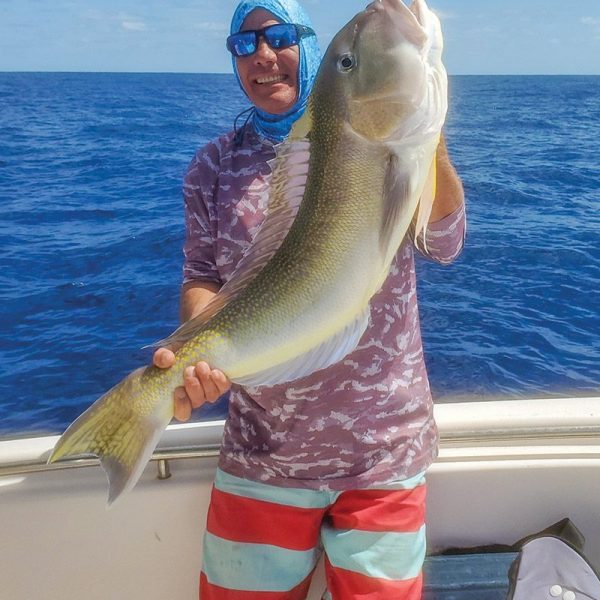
263 542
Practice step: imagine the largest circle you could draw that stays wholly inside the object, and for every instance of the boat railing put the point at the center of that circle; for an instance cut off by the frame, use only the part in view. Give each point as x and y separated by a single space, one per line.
497 430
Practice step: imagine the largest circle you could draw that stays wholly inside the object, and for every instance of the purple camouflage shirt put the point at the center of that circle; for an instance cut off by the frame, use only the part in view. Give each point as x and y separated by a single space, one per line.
364 421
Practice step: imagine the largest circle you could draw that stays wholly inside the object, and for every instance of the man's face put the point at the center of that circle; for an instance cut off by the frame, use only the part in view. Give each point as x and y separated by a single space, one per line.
269 77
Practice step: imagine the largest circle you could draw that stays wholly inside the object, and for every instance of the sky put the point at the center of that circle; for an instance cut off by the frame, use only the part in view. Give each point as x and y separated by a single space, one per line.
481 36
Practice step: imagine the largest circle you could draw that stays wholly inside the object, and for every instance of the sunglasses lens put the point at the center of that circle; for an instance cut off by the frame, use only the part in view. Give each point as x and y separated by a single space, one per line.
281 36
242 44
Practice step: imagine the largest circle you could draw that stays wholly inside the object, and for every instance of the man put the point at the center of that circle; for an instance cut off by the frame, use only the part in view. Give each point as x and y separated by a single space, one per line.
335 459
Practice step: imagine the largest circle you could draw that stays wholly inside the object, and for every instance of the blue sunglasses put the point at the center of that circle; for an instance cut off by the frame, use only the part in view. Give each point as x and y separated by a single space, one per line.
281 35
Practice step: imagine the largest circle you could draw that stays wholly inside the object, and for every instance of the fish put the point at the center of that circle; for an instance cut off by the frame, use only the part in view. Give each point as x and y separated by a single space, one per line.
354 177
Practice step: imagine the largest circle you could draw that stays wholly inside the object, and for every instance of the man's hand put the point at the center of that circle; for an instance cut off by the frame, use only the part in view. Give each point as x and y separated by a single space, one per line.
201 384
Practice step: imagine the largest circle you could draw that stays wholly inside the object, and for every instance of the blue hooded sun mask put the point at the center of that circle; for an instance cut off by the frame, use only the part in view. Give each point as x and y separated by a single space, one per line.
270 126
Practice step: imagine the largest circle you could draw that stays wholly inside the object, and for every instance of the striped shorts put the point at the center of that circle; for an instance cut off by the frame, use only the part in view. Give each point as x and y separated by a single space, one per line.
263 542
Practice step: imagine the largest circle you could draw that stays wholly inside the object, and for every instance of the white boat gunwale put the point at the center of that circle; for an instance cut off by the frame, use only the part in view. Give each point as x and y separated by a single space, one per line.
538 427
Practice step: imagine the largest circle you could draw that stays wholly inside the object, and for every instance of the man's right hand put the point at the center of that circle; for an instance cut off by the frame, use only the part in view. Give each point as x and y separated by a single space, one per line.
201 384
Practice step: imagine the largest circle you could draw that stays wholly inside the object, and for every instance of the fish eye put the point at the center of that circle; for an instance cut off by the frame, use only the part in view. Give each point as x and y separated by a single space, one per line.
346 62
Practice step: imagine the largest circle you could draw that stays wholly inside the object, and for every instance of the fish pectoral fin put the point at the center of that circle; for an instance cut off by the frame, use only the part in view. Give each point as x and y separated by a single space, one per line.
426 203
119 436
288 181
322 355
396 196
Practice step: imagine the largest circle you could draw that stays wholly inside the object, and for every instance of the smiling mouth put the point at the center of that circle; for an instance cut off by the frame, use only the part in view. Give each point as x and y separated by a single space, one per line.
270 79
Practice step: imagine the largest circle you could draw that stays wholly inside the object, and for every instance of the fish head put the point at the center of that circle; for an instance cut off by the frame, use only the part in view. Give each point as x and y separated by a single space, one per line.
385 71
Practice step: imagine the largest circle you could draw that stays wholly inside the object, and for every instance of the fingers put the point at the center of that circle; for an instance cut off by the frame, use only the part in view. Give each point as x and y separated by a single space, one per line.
163 358
182 408
201 384
221 381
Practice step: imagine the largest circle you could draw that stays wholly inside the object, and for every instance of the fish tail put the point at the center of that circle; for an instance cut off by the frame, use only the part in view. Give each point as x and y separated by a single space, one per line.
119 430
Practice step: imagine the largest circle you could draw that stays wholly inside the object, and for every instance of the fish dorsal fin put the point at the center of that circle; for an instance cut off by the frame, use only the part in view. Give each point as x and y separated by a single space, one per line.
330 351
287 184
426 203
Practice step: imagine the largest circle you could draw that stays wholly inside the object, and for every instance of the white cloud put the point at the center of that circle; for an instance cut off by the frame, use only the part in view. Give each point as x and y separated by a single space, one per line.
593 21
134 25
94 14
126 21
594 24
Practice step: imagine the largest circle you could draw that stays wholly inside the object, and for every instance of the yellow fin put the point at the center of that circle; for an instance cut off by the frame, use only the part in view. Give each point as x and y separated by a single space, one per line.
114 431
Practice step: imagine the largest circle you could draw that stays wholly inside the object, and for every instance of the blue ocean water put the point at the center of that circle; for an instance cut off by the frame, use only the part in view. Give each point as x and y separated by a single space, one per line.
91 233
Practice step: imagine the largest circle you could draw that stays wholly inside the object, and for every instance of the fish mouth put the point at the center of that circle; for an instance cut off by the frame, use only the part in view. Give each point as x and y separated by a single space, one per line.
270 79
410 21
414 13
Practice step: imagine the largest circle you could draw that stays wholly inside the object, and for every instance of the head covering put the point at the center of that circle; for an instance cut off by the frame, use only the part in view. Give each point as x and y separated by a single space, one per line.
276 127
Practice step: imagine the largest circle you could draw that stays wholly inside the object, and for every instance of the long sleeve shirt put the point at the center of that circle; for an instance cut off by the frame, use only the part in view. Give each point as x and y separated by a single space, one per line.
363 421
